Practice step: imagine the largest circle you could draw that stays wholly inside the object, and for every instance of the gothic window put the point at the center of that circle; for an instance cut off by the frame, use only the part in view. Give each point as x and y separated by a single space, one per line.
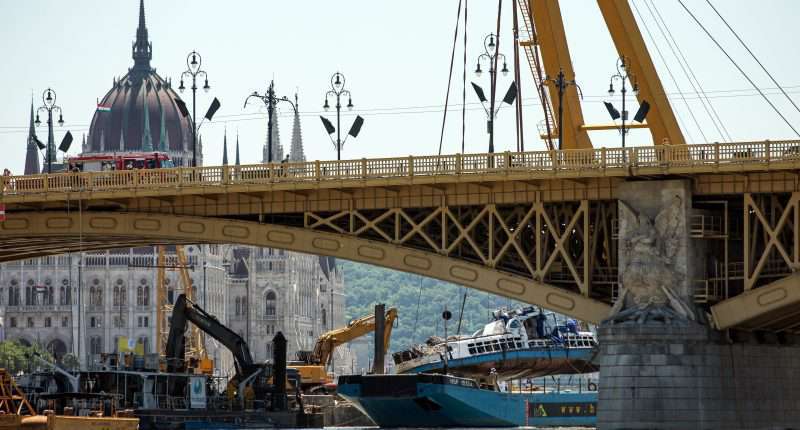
324 317
30 322
65 294
2 294
48 322
142 321
238 307
12 322
64 321
29 294
270 304
13 293
49 296
119 294
96 345
143 294
96 296
95 322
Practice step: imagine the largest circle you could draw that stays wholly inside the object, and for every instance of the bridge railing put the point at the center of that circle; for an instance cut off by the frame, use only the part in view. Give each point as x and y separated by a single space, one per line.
543 162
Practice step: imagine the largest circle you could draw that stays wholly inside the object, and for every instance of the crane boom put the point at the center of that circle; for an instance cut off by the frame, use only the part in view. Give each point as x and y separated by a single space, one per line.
629 42
545 27
543 21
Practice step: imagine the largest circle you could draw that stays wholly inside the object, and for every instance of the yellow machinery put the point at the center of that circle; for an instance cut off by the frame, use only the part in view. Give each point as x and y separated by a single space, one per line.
312 364
195 347
548 53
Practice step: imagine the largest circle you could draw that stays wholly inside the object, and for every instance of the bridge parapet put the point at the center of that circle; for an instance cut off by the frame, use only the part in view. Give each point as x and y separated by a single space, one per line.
619 162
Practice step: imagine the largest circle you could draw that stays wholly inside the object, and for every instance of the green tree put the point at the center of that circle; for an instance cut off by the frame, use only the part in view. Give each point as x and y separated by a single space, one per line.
419 300
16 357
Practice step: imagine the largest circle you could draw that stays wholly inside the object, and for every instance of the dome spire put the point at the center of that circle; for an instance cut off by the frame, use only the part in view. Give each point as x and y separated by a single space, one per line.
225 147
32 154
237 148
142 48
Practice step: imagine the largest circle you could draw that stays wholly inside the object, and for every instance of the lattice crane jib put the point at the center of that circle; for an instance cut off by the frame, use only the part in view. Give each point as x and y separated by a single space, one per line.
630 45
547 49
194 344
545 28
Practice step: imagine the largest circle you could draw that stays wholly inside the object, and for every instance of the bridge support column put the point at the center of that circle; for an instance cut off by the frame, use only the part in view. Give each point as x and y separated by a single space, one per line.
688 377
661 364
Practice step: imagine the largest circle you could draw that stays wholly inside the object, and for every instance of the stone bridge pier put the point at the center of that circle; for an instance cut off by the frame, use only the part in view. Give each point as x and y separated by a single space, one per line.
662 364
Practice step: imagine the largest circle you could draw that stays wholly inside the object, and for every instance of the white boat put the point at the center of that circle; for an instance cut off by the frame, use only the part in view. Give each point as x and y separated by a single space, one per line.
525 342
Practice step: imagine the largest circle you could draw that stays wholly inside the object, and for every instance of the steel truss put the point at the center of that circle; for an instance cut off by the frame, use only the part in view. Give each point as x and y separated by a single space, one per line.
565 243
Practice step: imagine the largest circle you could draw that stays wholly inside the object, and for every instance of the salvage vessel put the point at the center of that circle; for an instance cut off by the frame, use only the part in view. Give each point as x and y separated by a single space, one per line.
434 400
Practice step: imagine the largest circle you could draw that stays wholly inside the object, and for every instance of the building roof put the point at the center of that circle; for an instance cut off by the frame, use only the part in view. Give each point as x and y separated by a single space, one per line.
143 114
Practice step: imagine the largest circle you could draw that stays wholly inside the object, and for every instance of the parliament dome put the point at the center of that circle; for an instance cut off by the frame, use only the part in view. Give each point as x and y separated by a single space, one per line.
139 113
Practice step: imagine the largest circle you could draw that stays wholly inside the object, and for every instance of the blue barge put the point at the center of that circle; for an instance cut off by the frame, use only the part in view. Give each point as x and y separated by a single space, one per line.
434 400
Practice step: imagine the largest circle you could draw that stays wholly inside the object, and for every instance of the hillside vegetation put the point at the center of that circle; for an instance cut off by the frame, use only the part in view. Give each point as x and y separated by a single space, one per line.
419 300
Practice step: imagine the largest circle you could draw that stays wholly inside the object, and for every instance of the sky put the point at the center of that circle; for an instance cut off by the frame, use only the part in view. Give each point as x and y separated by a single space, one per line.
395 57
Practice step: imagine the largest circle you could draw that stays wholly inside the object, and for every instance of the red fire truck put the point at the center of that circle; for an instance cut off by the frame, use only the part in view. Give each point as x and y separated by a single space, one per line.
122 161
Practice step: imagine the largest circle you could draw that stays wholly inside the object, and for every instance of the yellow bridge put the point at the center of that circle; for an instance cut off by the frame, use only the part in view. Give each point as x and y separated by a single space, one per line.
539 227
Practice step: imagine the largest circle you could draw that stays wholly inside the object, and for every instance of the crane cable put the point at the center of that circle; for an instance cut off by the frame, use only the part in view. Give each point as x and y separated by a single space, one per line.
705 101
754 56
772 105
450 75
671 75
416 318
464 83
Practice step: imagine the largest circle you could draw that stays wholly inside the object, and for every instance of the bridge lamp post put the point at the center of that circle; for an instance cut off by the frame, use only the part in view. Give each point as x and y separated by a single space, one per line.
492 56
561 83
623 75
49 105
271 101
193 62
337 90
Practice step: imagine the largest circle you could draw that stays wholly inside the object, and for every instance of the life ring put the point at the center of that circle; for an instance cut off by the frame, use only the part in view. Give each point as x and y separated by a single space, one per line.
591 386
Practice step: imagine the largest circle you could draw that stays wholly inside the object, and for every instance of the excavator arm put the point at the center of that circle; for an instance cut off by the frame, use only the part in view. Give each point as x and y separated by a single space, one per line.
327 342
186 310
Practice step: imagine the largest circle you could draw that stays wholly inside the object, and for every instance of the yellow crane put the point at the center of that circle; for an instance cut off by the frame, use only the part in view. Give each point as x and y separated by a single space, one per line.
311 365
195 348
548 53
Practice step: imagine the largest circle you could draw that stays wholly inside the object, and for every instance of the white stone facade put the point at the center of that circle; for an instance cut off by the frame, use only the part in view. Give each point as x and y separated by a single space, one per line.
288 292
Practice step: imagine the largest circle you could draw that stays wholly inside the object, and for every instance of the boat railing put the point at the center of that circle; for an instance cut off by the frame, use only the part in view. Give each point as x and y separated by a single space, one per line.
555 384
509 341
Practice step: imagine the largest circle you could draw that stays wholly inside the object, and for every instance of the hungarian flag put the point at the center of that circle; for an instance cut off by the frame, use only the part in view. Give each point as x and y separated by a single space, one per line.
2 212
102 108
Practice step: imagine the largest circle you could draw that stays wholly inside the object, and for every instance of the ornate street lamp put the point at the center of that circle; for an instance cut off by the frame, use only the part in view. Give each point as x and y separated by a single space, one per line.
271 101
193 62
562 83
337 90
623 75
492 56
49 105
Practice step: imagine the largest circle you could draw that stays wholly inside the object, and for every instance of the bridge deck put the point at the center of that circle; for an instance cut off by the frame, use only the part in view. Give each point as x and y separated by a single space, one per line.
535 226
717 158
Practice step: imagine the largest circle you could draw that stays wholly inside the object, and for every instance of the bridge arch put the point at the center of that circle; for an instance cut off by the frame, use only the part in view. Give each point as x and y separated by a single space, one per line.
34 234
